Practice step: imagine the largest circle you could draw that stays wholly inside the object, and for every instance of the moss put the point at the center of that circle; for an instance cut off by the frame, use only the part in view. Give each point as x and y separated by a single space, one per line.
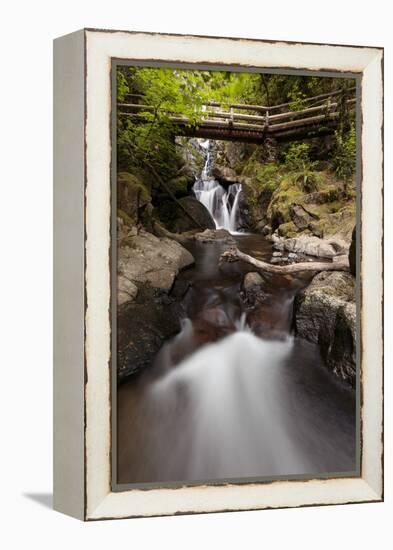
262 175
341 222
135 184
127 220
283 198
287 230
179 186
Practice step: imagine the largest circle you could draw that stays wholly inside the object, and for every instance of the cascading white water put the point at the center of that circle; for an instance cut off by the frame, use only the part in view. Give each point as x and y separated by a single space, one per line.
231 404
222 204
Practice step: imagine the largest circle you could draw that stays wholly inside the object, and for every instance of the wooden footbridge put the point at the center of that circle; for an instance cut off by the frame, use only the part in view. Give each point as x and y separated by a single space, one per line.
255 123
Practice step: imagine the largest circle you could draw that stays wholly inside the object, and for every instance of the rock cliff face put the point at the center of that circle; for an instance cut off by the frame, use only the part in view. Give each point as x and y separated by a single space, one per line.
325 313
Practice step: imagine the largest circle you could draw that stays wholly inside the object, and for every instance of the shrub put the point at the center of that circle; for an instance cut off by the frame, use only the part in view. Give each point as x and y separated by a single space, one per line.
344 155
297 157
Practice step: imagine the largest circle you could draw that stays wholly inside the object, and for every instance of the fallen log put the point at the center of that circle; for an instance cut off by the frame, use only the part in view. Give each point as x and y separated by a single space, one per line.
182 238
234 255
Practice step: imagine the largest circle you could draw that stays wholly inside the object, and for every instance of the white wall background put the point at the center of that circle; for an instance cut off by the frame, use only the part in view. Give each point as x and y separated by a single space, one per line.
27 29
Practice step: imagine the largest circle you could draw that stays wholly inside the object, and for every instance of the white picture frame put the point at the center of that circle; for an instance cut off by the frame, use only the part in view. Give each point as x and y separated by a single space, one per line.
82 256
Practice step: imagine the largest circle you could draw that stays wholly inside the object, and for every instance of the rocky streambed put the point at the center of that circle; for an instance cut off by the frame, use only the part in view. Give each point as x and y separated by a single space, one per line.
156 274
220 358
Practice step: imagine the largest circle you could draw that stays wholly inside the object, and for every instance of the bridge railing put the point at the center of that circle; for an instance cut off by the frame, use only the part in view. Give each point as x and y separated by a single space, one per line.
236 116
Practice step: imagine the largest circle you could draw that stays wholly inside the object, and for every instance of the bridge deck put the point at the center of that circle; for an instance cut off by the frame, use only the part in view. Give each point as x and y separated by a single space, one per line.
320 118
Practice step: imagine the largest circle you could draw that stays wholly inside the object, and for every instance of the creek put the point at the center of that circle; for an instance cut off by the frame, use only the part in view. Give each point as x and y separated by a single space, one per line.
234 394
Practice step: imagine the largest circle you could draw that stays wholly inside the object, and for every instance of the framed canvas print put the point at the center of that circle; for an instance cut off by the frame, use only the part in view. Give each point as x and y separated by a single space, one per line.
218 274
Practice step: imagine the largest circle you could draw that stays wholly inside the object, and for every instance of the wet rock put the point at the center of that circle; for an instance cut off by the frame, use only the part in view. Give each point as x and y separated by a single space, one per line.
252 292
246 218
292 256
325 313
214 235
280 260
225 175
251 280
180 289
178 221
142 330
146 259
266 230
277 254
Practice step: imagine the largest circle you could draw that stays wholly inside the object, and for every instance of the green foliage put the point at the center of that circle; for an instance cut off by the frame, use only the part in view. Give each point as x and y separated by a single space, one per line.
297 157
135 186
121 85
148 140
344 157
146 143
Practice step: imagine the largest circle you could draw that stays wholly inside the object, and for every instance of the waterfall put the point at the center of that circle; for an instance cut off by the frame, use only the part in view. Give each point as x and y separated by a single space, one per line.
222 204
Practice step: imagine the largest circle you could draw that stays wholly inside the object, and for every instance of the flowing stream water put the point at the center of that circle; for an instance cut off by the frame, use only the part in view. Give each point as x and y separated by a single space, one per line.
234 394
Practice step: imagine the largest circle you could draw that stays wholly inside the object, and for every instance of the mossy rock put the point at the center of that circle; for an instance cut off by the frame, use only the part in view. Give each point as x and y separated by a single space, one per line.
179 186
287 230
279 210
133 198
337 223
126 219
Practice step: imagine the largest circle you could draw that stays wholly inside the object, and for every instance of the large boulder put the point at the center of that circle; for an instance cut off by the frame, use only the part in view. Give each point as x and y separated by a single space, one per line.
310 245
254 200
146 259
143 326
325 313
252 292
133 198
186 215
225 175
301 217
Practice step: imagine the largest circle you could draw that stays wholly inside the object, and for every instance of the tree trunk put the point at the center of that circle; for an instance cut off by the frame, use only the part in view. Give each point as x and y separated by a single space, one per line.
234 254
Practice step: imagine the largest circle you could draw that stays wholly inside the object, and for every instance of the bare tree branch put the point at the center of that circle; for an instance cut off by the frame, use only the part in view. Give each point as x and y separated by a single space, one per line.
234 254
